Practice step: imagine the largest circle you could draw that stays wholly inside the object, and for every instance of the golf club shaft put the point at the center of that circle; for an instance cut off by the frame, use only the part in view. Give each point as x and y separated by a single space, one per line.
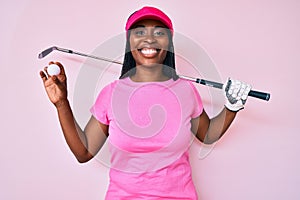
252 93
49 50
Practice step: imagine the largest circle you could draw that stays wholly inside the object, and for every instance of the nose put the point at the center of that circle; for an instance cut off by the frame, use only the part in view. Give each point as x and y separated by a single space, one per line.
150 38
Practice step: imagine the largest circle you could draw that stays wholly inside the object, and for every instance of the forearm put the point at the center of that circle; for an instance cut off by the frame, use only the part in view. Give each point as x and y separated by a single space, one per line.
75 137
211 130
219 125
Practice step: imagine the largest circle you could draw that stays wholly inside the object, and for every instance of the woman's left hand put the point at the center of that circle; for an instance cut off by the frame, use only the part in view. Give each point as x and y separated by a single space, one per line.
236 93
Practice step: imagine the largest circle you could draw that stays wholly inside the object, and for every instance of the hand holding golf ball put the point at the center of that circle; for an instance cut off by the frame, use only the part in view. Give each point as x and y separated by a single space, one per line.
55 83
53 69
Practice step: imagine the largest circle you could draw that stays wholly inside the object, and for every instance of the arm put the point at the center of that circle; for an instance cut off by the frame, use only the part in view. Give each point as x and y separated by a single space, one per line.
209 130
83 143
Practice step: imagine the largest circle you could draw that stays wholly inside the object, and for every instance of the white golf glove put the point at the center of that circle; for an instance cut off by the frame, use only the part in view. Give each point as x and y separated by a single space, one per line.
236 93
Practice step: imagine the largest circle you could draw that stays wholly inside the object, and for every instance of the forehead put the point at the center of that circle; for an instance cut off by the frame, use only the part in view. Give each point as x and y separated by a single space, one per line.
149 23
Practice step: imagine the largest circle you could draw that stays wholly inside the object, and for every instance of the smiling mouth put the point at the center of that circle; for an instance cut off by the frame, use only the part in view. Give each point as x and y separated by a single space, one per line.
149 52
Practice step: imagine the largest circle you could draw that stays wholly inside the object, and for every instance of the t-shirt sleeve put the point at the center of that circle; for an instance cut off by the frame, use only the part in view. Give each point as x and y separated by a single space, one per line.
100 108
197 101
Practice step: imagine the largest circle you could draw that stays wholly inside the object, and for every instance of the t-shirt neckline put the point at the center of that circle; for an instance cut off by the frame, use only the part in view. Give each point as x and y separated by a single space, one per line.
129 81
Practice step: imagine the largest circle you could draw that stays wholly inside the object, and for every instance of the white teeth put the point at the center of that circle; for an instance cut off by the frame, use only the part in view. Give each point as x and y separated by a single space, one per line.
148 51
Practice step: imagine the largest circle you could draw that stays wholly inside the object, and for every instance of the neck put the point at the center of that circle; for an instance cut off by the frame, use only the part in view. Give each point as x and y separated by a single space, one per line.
149 74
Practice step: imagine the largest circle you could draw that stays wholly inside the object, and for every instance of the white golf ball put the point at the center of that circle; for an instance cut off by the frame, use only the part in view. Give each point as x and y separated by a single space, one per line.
53 69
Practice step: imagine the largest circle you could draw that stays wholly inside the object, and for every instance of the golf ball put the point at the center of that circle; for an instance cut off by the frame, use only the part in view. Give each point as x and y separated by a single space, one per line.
53 69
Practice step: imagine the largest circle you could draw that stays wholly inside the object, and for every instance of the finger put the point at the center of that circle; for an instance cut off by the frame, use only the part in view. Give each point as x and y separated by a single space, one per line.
228 85
46 70
43 76
57 82
62 69
246 91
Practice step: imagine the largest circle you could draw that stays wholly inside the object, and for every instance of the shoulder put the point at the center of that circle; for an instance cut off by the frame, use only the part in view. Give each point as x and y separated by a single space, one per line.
106 91
109 87
190 89
186 84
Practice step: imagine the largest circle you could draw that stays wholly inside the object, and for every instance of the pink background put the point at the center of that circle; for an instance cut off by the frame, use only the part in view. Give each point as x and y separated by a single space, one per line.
255 41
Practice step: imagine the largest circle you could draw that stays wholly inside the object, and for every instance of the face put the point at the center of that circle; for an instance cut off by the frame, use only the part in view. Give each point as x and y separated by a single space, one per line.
149 42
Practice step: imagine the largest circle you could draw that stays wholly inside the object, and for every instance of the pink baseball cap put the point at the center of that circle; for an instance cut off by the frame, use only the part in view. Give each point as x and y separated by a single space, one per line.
149 13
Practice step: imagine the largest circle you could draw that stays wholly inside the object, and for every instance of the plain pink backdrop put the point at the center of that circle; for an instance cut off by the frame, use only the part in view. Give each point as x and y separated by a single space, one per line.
255 41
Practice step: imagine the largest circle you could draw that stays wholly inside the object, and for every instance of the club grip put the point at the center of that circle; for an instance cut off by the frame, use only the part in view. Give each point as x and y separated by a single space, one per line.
259 95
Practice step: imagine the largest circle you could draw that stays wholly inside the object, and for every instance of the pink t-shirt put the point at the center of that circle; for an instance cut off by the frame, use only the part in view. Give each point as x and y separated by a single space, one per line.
149 137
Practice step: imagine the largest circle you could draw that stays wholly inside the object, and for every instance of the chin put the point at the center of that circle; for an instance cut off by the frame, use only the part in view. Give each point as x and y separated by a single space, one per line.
150 64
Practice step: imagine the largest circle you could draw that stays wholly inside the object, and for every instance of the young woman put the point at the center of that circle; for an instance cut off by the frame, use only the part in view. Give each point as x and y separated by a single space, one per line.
148 116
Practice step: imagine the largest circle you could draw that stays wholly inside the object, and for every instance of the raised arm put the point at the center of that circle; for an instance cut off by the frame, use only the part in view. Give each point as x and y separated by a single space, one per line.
209 130
83 143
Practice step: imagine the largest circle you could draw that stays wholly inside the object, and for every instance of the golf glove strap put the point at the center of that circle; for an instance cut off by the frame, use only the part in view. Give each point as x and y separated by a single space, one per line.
236 93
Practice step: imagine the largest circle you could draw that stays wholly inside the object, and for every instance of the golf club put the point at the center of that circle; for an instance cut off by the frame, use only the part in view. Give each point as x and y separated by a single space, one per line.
257 94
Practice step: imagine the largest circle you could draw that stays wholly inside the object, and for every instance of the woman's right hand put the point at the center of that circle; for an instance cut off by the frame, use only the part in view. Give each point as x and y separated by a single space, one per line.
56 85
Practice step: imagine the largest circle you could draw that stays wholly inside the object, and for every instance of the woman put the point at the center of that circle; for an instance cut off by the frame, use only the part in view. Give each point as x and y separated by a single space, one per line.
149 154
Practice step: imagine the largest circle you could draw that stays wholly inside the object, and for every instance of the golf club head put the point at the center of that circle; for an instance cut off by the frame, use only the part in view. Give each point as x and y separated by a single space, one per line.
46 52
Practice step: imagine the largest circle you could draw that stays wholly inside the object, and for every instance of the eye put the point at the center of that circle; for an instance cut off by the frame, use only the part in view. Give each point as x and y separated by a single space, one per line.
159 32
139 32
